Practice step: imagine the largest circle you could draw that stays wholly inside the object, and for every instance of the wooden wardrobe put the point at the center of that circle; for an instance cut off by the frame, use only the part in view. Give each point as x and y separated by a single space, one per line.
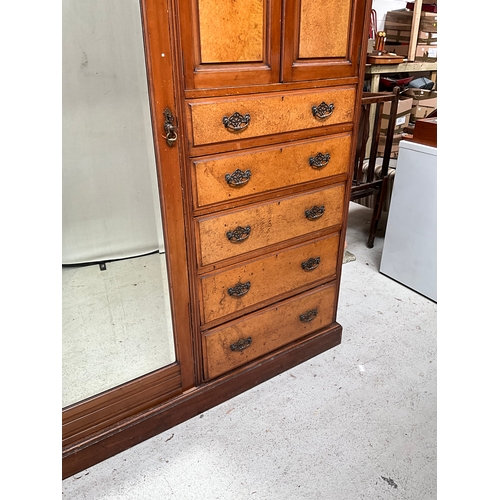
254 113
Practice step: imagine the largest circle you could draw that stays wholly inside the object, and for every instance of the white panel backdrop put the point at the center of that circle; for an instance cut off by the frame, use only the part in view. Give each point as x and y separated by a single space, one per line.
110 201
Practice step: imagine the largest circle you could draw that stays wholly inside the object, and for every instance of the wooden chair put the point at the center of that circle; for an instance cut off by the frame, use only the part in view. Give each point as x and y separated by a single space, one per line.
366 182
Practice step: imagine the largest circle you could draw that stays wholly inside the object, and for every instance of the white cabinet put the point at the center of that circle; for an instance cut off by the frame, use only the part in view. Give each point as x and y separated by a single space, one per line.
410 246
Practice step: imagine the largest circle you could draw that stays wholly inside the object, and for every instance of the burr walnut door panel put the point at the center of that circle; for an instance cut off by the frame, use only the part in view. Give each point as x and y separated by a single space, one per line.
230 43
319 39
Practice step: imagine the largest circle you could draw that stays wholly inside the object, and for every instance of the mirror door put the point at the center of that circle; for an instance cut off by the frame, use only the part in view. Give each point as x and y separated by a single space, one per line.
117 321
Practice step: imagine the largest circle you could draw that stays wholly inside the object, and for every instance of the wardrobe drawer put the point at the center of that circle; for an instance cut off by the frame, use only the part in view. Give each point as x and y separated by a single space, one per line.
254 335
235 118
231 176
256 281
237 232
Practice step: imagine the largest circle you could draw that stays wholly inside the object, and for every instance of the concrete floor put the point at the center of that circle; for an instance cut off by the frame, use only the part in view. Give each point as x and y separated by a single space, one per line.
356 422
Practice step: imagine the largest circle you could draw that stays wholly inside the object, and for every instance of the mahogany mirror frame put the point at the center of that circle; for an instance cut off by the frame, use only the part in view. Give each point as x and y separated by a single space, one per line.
101 426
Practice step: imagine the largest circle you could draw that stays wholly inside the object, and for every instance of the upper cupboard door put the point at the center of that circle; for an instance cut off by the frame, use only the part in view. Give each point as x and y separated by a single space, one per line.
227 43
322 39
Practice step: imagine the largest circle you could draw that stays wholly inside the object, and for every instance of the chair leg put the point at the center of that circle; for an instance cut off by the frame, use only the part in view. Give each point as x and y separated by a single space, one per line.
373 223
377 212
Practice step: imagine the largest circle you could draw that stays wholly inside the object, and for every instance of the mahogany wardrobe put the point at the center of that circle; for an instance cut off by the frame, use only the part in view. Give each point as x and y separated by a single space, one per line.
254 110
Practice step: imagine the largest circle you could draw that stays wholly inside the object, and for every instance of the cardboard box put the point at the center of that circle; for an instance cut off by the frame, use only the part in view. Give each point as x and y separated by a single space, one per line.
422 52
402 37
426 53
423 103
428 23
397 36
403 115
401 19
427 38
395 145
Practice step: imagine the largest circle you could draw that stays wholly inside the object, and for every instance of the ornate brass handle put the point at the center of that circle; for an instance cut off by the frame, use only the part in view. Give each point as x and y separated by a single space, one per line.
308 315
241 344
236 122
315 212
238 178
239 234
239 289
311 264
319 161
323 110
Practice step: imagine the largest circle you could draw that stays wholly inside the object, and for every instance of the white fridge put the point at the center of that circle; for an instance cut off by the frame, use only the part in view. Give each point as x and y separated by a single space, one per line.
409 255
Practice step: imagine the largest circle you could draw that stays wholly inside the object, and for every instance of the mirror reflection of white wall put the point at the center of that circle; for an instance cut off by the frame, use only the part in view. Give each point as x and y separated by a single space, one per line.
116 322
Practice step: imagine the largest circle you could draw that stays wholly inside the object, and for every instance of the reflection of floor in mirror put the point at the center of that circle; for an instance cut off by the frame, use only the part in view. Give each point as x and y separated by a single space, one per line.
116 324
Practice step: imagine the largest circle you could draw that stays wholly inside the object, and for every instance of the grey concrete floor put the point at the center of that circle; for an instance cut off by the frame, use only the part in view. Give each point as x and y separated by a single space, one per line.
356 422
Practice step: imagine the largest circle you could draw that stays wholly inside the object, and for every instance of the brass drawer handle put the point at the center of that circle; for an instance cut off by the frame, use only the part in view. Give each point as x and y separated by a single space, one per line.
311 264
322 111
308 315
320 160
236 122
238 178
241 345
315 212
239 234
239 289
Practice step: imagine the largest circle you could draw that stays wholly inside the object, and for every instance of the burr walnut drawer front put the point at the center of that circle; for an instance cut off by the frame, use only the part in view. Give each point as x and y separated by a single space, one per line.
255 335
234 233
231 176
236 289
228 119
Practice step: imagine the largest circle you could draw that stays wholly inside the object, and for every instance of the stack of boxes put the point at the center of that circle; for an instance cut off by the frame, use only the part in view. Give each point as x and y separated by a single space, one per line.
414 104
423 103
398 25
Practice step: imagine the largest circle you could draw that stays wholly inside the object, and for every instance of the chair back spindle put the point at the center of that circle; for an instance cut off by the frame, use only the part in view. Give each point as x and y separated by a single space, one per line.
366 180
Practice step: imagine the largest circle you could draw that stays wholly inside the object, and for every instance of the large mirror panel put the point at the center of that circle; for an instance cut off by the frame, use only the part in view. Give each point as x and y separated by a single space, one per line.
116 310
